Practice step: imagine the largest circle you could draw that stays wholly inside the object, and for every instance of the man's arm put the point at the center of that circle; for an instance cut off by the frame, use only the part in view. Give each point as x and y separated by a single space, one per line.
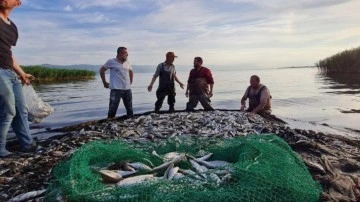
211 90
210 81
131 74
25 78
102 75
263 101
188 85
243 100
152 83
187 90
179 82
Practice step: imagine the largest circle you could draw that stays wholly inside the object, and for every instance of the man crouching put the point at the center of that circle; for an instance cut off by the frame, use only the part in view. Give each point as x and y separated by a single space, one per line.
259 97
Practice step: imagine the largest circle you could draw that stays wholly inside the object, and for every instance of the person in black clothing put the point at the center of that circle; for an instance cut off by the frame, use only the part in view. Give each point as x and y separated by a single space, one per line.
166 72
13 110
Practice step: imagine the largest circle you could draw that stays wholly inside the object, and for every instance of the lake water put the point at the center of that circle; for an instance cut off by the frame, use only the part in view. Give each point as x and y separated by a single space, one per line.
300 95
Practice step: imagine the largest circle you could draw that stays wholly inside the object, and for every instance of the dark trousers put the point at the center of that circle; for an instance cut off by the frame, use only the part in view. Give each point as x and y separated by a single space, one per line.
115 96
195 99
161 96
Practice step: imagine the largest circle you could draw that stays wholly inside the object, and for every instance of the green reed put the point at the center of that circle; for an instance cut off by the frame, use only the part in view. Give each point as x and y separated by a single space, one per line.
45 74
347 61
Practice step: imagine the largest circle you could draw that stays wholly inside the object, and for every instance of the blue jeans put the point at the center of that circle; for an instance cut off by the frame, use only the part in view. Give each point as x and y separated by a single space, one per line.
13 111
115 97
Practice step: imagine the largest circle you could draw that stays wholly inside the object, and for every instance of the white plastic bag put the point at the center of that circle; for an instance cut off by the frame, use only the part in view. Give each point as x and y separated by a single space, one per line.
37 109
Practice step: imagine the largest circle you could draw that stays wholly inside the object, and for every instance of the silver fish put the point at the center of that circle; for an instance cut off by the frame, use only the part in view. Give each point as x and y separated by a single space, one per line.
200 169
166 174
214 164
134 180
214 178
172 173
140 166
190 173
204 158
126 173
166 164
171 155
127 167
28 196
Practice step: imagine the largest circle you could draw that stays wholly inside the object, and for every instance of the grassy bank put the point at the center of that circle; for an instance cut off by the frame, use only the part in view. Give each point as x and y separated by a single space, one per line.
347 61
45 74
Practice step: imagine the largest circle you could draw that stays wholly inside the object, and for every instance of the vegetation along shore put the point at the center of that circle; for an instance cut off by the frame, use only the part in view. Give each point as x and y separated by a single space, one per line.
45 74
347 61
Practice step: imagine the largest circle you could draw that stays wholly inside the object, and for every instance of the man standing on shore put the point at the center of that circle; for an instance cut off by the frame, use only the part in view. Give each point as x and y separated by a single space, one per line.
167 73
13 110
200 79
121 78
259 97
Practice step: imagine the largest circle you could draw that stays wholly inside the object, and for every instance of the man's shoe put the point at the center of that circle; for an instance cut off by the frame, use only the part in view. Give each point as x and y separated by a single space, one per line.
32 148
171 109
6 154
157 109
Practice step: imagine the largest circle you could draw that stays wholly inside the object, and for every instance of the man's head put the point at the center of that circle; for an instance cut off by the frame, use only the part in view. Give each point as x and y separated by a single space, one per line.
170 57
9 4
122 54
254 81
198 61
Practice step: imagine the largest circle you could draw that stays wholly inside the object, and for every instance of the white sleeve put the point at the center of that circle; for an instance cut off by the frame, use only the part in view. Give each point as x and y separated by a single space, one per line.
108 65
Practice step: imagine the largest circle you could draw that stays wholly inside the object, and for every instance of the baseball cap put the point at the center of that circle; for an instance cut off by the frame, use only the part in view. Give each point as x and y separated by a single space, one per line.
171 54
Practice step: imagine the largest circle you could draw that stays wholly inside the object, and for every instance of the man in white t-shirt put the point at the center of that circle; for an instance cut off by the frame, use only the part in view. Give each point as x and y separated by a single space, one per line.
121 78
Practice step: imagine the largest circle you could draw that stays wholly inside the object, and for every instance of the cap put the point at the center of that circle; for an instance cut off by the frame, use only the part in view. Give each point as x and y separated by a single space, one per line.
171 54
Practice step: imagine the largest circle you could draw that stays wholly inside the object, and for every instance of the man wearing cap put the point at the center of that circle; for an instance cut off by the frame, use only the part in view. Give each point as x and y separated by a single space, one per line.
200 79
167 73
13 110
121 78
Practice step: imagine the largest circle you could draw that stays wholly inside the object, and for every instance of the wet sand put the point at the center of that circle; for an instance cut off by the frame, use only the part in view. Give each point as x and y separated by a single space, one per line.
332 159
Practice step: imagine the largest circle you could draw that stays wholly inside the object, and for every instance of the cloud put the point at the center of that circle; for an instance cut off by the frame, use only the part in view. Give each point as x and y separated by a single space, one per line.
68 8
264 33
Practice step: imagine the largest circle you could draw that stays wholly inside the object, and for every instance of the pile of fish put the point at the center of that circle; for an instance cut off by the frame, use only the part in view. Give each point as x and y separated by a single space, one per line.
203 171
26 176
223 124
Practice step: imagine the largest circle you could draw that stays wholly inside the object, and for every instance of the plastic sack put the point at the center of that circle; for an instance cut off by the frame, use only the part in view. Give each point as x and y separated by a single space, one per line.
37 109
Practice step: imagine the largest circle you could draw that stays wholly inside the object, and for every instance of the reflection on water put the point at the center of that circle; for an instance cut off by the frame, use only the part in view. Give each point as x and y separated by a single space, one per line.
345 84
342 82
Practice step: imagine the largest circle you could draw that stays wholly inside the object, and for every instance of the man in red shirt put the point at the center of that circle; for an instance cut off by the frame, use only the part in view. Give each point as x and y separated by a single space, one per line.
200 86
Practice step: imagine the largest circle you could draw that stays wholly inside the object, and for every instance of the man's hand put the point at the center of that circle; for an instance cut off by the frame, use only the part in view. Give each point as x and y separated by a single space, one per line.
149 88
27 78
242 108
210 94
187 94
181 85
251 114
106 85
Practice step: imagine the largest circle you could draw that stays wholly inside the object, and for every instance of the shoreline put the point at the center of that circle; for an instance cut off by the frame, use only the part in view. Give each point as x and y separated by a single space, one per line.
332 160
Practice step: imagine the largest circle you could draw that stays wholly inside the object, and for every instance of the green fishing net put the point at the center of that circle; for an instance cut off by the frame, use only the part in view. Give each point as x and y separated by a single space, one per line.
263 168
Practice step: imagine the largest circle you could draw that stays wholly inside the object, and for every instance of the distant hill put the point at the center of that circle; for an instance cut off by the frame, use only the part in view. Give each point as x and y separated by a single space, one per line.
137 68
152 68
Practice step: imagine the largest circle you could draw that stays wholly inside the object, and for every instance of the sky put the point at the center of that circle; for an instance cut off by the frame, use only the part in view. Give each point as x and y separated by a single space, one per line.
244 33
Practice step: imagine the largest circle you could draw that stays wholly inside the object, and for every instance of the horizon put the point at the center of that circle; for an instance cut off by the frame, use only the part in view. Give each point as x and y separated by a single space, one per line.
228 32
